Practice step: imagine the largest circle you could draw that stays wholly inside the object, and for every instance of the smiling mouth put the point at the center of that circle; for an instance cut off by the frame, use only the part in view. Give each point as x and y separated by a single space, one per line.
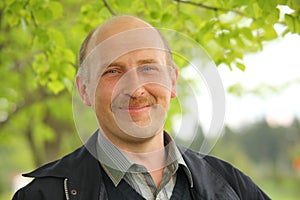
135 108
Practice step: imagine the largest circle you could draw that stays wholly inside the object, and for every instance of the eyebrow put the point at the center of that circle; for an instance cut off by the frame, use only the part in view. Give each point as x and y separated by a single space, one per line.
147 61
118 64
139 62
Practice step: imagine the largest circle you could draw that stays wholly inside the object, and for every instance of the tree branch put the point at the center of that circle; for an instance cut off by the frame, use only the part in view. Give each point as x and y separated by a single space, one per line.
210 7
43 96
109 8
33 20
37 154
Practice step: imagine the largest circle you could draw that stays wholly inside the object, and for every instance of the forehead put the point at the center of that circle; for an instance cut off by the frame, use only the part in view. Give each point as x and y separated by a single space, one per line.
142 56
123 43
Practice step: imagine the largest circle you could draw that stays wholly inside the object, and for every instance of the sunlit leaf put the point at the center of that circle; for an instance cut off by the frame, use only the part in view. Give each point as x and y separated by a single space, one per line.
56 86
269 32
293 23
282 2
43 15
240 66
56 9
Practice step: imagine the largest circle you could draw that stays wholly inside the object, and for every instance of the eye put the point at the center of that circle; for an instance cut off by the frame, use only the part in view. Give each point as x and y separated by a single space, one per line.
111 71
149 68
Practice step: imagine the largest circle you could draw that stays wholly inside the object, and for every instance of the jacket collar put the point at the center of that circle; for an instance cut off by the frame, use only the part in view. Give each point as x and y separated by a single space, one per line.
80 167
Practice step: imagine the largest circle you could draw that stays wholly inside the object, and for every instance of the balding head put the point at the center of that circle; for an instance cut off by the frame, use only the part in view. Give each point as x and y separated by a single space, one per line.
117 25
112 27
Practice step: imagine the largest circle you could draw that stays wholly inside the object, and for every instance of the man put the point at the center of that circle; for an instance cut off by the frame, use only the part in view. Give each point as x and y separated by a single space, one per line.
127 76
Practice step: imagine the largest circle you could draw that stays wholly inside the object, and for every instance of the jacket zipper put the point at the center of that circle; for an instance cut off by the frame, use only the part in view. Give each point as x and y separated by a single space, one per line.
66 189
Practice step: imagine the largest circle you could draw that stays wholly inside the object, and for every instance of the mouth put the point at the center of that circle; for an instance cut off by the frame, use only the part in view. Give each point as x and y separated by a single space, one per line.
135 108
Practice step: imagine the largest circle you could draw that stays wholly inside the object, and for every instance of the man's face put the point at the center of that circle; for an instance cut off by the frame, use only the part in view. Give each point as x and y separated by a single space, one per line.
132 94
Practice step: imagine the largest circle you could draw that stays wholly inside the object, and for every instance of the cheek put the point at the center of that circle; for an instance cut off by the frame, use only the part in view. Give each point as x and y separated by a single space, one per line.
162 94
104 94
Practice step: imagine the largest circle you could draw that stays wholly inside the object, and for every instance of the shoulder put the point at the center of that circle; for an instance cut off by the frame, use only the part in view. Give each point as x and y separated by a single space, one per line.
39 189
48 182
209 166
59 168
49 178
196 159
71 171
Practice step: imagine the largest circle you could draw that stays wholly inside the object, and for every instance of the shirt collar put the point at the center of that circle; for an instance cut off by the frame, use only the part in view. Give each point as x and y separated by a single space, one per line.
116 164
113 161
174 156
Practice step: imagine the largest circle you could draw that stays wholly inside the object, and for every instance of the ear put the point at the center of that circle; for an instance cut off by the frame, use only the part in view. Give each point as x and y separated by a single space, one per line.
174 76
82 89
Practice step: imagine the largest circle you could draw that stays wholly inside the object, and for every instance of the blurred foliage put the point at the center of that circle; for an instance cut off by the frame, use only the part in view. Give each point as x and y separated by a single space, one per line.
267 154
39 41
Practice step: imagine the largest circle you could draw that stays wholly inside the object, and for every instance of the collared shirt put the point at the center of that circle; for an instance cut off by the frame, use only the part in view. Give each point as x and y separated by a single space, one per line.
118 166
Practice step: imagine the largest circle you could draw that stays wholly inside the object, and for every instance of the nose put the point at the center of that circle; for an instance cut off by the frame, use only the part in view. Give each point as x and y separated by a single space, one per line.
132 84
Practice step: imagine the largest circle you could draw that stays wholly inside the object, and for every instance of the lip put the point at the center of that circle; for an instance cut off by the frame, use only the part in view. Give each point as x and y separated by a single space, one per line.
135 109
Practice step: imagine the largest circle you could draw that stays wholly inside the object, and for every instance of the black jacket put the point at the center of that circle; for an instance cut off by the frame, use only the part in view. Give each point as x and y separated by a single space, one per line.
77 176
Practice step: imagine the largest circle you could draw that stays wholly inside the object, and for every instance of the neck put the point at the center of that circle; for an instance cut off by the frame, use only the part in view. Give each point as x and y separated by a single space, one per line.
138 145
153 161
142 151
148 152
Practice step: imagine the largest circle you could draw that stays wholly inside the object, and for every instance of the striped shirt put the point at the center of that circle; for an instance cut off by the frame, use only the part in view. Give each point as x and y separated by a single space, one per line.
118 166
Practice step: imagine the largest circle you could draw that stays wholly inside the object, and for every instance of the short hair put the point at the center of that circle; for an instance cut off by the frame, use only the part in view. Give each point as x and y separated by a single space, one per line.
83 48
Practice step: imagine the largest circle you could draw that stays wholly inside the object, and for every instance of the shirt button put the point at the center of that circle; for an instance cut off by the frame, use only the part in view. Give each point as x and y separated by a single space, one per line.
73 192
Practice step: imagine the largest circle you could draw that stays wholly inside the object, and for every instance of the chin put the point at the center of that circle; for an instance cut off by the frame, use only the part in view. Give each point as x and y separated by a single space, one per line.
133 139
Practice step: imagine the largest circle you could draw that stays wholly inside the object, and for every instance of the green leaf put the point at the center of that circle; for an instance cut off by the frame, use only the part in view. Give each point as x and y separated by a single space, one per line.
267 5
155 14
154 5
240 66
43 132
56 86
53 75
253 10
273 16
236 89
68 84
42 35
43 15
56 36
1 5
69 56
293 23
294 4
269 32
12 18
104 13
282 2
39 65
166 18
56 9
247 32
289 20
12 12
256 24
123 3
15 6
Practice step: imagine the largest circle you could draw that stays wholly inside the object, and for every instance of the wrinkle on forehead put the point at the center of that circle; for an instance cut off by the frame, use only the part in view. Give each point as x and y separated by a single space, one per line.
119 37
